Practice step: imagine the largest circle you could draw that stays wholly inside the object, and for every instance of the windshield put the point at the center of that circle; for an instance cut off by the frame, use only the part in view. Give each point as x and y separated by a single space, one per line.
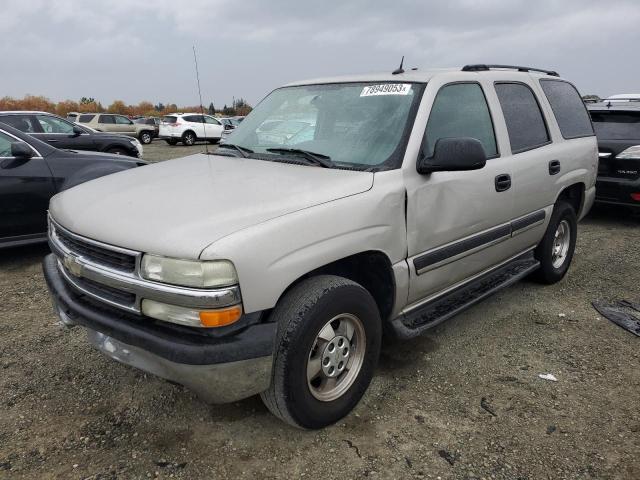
361 125
616 125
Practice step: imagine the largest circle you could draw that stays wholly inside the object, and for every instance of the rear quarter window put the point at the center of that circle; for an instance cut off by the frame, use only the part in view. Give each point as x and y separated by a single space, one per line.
85 118
169 119
568 108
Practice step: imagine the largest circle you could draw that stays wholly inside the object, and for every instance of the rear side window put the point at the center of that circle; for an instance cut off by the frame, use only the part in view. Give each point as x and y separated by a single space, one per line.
85 118
568 108
616 125
24 123
522 114
460 110
106 119
193 118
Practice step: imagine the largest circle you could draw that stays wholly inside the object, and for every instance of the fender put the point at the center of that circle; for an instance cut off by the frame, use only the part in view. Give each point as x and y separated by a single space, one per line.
92 172
272 255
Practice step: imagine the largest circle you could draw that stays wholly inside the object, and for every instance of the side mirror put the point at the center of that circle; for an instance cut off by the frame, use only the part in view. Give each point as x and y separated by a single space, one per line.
21 150
454 155
77 130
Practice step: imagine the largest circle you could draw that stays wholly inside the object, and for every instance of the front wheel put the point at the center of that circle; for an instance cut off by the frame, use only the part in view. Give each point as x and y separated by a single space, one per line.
328 343
118 151
555 251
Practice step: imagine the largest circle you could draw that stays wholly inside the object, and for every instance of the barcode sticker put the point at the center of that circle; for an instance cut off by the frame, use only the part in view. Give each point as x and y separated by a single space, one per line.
386 89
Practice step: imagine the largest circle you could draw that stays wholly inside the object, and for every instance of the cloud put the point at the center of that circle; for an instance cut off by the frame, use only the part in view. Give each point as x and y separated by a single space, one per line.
131 50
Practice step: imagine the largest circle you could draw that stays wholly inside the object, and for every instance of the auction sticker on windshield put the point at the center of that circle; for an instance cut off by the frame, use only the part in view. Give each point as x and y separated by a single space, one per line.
386 89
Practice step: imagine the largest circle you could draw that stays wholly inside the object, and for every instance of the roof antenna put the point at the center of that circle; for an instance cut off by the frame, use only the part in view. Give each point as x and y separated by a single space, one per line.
399 69
204 125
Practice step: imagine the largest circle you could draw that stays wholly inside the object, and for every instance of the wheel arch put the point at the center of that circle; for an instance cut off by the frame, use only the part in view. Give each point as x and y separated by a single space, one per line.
372 269
573 194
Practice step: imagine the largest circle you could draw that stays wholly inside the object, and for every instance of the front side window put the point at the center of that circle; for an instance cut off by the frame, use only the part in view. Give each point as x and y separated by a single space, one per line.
522 114
5 145
107 119
211 120
54 125
568 108
120 120
356 125
620 125
460 110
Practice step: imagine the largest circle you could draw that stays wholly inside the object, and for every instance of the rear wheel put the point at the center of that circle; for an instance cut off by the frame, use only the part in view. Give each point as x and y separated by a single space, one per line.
188 138
327 347
146 137
556 249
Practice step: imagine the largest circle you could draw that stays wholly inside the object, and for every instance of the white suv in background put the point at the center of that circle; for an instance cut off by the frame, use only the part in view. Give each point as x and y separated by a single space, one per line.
190 127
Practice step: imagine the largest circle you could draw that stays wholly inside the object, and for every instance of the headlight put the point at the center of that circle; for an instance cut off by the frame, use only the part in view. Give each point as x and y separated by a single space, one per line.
631 153
189 273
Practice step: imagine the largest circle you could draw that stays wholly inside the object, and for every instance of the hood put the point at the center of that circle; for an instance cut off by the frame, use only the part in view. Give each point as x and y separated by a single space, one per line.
178 207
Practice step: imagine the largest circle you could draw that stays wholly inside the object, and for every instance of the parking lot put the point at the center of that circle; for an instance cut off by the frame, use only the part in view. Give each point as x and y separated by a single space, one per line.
463 401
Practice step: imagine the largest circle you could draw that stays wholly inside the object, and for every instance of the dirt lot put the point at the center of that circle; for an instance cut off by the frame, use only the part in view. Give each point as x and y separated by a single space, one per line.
464 401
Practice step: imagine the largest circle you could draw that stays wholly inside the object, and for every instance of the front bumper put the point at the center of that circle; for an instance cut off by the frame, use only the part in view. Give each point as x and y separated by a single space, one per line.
218 369
617 191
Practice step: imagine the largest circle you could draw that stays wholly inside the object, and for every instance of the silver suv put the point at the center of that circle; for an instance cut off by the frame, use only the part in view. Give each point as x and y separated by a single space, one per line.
277 264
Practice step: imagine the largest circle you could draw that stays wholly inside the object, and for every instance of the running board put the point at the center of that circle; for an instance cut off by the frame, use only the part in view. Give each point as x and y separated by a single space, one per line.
412 323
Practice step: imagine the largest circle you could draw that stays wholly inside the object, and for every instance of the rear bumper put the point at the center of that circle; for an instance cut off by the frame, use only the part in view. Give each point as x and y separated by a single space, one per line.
617 191
219 369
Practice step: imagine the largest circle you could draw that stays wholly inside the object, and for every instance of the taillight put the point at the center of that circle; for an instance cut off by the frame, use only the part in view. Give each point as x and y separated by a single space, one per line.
636 196
632 153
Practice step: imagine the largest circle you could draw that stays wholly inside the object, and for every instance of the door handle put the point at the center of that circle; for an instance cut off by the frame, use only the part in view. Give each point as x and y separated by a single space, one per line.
52 141
554 167
503 182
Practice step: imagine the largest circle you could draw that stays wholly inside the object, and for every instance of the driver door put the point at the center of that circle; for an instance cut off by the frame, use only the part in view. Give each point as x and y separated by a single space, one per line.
59 133
458 223
213 127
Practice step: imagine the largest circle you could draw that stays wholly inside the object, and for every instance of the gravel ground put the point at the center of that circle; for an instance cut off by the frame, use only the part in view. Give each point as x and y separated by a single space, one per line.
463 401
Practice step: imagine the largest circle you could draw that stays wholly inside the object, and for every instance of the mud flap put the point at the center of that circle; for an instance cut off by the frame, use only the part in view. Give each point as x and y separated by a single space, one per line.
623 313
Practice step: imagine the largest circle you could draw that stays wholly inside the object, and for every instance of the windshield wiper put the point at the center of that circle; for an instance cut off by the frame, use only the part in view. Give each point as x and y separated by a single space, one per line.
244 151
317 158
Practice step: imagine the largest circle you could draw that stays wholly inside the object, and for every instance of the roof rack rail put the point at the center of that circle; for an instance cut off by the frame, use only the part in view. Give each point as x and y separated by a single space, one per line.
483 68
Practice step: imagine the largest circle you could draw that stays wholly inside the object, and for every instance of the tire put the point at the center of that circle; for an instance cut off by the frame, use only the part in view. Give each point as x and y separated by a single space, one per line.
555 251
302 315
145 137
119 151
188 138
172 141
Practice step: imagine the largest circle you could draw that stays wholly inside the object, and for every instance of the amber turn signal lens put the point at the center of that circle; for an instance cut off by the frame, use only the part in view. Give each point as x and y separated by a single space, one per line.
220 318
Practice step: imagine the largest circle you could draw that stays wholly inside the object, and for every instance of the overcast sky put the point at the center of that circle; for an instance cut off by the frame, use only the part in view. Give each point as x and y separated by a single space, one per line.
136 50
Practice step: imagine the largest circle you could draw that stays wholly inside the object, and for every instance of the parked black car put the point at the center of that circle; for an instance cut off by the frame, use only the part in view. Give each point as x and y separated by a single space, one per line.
617 126
32 171
62 133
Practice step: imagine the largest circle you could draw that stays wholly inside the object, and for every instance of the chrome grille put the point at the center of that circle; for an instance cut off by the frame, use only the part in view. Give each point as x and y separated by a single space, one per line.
100 255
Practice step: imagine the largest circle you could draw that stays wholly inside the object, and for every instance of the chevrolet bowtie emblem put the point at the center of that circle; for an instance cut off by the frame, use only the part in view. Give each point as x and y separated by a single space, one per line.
72 265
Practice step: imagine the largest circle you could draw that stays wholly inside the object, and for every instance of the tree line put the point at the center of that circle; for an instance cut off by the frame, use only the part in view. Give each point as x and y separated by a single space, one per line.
90 105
